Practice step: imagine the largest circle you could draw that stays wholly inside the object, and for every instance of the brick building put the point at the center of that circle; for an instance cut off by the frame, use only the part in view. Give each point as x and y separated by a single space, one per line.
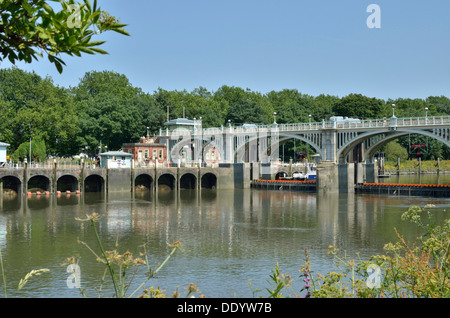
146 150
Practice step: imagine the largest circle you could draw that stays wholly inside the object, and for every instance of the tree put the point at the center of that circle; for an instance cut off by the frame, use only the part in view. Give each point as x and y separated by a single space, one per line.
359 106
291 106
394 150
34 107
244 106
441 103
407 107
38 151
29 28
109 109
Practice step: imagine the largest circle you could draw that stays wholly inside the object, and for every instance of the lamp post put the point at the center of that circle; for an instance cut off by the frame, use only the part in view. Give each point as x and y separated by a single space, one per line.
393 111
275 117
309 120
426 114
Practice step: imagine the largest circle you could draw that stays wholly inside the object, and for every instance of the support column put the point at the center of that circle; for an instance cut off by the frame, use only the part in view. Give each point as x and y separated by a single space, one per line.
327 177
347 178
329 146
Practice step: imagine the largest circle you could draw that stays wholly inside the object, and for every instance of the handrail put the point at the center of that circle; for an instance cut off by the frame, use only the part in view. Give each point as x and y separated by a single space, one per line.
317 126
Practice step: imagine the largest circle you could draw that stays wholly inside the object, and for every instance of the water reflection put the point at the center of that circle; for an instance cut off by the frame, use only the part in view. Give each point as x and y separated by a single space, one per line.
230 236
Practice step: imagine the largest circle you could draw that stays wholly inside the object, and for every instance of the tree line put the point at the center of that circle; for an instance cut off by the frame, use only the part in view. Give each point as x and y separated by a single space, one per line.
104 108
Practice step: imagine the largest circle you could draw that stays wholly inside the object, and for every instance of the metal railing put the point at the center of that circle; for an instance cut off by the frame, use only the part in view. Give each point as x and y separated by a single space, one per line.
315 126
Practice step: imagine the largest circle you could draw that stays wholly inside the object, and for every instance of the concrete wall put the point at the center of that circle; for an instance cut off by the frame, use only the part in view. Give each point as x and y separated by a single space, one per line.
346 174
327 177
119 180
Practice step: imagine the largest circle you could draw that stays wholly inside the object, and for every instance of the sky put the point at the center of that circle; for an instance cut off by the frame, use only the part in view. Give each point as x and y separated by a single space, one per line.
317 47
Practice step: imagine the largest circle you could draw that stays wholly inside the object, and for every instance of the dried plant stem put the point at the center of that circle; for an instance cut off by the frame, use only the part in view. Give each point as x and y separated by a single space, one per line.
111 269
3 272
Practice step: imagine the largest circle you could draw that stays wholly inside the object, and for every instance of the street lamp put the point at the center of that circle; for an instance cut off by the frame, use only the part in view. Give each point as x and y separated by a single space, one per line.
274 117
309 120
393 111
426 113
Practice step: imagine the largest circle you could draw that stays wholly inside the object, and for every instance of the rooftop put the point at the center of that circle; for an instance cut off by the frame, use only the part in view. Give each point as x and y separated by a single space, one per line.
4 144
116 153
180 121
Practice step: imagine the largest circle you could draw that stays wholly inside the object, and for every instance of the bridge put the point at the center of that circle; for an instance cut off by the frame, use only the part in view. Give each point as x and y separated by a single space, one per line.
339 141
346 147
246 154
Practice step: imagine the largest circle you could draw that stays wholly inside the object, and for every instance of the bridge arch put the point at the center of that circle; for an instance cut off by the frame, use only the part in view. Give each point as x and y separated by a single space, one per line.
344 150
209 181
312 139
188 181
167 180
205 142
67 183
38 183
11 183
143 181
94 183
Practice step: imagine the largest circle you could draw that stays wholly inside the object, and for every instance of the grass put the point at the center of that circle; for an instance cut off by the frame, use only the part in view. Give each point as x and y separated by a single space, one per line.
429 166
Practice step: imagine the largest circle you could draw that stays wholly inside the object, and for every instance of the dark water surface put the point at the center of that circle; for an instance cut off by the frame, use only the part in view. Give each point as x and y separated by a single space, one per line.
229 237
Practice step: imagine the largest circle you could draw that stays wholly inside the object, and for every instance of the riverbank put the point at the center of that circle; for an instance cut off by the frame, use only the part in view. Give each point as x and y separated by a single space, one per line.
412 167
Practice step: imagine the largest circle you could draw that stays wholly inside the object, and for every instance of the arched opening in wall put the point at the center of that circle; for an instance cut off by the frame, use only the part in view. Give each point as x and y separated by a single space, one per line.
209 181
188 181
67 183
280 175
38 183
11 184
94 183
143 182
166 182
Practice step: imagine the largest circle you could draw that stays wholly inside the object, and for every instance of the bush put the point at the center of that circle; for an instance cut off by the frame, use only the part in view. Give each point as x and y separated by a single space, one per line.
409 271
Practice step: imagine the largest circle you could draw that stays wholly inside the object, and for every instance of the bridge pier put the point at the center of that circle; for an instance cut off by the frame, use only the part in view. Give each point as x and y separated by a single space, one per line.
342 178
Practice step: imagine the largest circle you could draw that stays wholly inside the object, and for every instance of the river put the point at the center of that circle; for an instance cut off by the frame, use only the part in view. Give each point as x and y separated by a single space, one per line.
231 239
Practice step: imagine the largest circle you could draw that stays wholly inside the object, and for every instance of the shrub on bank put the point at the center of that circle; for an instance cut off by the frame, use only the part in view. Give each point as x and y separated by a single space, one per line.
405 270
413 166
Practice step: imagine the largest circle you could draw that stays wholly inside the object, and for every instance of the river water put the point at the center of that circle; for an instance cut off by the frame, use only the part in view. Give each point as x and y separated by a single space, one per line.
231 239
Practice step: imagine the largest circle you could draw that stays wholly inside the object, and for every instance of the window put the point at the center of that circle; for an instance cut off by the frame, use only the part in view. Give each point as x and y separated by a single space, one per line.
160 154
154 154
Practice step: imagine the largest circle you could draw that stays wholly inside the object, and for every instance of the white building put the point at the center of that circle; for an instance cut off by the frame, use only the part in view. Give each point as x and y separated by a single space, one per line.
3 147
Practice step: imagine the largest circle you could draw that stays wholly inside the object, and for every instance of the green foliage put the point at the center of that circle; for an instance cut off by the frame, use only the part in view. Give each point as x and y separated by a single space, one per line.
408 270
29 28
38 151
106 108
34 107
359 106
394 150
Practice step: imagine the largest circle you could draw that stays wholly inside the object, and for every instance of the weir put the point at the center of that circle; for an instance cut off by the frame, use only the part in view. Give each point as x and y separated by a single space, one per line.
26 180
331 178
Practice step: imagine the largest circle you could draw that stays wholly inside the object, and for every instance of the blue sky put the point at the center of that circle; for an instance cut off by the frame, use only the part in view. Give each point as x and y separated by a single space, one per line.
317 47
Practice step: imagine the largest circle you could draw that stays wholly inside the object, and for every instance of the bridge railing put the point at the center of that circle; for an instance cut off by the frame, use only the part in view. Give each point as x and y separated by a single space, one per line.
354 124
